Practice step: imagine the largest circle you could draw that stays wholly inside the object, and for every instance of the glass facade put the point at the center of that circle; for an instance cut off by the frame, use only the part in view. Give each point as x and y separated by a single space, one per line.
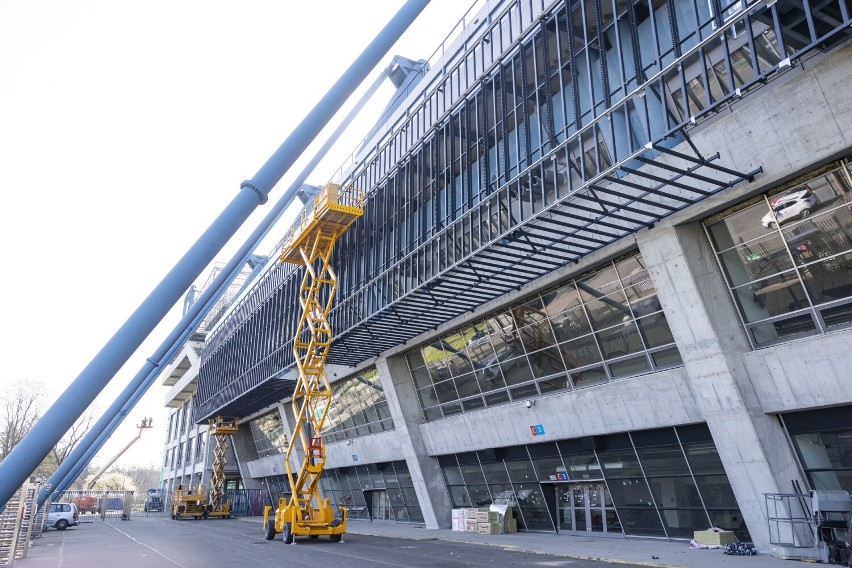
358 408
788 259
269 435
592 329
382 491
823 442
511 147
666 482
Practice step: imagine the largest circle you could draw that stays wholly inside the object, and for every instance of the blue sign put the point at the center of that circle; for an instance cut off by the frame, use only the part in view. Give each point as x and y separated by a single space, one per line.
561 476
537 430
354 457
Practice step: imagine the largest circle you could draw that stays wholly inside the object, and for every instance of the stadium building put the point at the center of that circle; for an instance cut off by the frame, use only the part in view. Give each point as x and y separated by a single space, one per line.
604 276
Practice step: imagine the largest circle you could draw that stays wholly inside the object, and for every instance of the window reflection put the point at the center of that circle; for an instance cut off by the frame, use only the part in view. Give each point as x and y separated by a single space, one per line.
789 253
358 407
553 341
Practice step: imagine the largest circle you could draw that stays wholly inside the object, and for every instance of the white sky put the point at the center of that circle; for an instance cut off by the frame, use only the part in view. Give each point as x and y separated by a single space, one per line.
125 129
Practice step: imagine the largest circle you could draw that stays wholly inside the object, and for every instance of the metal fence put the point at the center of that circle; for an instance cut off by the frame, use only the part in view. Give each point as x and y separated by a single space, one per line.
102 505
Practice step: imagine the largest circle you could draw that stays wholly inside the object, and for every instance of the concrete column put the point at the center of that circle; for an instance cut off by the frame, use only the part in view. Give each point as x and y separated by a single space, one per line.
244 451
708 333
407 417
288 419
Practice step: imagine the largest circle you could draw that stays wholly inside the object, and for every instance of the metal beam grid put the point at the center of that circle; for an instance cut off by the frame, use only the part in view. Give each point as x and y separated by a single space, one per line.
531 151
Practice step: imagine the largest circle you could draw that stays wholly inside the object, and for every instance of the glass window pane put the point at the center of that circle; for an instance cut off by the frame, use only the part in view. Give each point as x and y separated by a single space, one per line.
783 329
589 377
664 460
837 315
716 491
703 458
473 403
451 409
561 299
517 371
521 471
667 358
773 296
495 473
427 397
620 463
682 523
472 474
580 352
453 475
620 340
446 391
479 495
570 324
553 384
582 466
547 468
675 493
467 385
421 377
655 330
526 391
546 362
497 397
629 367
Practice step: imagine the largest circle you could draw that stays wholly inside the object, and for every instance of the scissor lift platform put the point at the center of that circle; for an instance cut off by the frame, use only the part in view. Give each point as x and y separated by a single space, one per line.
332 212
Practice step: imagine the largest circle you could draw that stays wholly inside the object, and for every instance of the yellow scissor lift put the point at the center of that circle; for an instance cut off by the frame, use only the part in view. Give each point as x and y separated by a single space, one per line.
310 243
222 427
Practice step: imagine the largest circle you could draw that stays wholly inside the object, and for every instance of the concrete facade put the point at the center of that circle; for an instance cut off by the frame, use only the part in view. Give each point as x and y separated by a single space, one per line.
789 127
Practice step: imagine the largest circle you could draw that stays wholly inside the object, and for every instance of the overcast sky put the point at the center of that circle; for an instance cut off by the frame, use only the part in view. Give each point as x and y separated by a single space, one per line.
125 129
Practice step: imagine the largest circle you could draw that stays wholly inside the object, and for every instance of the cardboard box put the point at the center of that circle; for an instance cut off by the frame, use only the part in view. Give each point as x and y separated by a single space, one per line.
489 528
457 525
459 514
487 517
470 525
714 538
470 514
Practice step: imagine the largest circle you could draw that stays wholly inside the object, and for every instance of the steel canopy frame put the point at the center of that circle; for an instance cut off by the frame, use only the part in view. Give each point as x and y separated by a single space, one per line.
71 404
521 252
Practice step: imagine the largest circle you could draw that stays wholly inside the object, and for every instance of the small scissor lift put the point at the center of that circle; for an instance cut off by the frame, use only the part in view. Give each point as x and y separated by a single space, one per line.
223 428
188 502
310 243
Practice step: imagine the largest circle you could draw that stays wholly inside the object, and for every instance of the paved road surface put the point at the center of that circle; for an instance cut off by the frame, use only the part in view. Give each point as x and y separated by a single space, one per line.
162 542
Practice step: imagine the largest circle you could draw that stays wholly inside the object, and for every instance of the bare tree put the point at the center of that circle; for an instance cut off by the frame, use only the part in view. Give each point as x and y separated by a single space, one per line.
22 406
144 477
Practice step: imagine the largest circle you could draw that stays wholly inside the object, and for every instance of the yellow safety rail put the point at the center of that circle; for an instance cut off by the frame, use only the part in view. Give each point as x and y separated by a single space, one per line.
223 428
310 243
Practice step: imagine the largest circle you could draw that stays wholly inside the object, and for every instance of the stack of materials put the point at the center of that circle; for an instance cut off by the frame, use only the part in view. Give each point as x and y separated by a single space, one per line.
499 519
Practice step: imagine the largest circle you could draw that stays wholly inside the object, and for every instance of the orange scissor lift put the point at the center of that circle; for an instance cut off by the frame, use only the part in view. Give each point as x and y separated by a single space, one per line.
310 242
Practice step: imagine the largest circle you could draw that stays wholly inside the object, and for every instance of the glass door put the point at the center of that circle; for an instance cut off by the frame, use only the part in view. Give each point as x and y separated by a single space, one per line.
586 508
381 505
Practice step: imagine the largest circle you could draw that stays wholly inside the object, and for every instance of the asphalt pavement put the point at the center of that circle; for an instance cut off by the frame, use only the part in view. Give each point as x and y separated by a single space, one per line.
161 542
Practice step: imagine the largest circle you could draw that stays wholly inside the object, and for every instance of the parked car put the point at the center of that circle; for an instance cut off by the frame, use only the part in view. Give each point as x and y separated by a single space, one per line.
62 515
793 204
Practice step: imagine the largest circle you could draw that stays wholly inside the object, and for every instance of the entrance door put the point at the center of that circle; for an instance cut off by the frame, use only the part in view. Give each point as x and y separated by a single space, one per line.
586 508
381 505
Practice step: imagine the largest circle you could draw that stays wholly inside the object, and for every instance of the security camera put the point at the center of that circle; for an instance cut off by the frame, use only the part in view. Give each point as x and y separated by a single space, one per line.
529 404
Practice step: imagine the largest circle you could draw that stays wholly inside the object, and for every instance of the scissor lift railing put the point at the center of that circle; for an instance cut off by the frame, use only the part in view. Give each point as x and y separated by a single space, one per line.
310 242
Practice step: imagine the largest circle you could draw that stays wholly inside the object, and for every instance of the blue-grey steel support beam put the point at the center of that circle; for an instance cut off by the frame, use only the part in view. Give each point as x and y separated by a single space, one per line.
195 313
71 404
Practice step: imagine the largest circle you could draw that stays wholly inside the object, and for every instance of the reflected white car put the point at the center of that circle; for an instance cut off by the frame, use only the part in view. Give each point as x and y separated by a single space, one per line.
791 205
